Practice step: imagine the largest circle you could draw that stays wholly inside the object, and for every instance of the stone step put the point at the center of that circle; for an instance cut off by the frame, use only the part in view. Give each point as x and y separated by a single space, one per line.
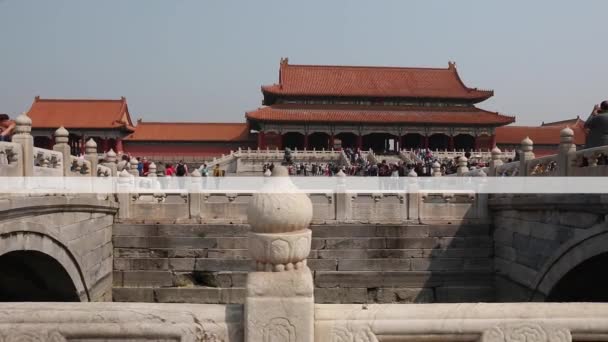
409 279
416 261
194 295
351 295
179 242
317 243
319 231
182 230
358 253
401 243
167 278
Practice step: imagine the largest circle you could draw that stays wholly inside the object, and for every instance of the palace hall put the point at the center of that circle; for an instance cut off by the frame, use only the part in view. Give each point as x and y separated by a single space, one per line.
385 109
379 108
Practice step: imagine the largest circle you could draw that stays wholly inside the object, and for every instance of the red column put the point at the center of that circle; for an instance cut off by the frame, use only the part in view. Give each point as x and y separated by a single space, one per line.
426 141
331 142
493 141
400 142
476 143
82 145
261 140
359 141
119 145
280 141
451 143
306 140
104 145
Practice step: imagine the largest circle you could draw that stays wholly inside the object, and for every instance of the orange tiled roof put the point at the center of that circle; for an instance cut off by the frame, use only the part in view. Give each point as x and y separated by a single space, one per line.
564 123
189 131
540 135
323 80
54 113
380 114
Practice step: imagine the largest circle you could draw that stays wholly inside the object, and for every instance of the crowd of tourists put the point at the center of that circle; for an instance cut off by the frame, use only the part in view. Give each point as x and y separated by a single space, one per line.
361 166
179 169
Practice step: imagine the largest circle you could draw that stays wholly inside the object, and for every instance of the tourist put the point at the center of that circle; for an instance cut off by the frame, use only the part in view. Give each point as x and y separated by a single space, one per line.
181 169
140 167
169 170
217 172
204 170
597 124
160 169
123 164
145 167
7 127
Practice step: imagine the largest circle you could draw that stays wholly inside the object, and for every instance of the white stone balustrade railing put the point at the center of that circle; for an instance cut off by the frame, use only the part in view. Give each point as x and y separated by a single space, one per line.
484 322
10 159
409 156
567 162
589 162
370 156
20 157
508 170
542 166
344 160
47 163
169 206
79 167
103 171
475 154
504 322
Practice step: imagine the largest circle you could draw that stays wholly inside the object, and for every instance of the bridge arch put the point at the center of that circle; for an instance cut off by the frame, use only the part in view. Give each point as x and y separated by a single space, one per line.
580 260
33 249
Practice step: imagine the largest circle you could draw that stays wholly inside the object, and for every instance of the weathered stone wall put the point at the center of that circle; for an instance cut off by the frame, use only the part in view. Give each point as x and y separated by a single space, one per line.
75 231
351 263
328 208
538 239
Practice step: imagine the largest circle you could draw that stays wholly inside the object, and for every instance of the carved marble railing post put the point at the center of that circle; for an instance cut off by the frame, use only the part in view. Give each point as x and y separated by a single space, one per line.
110 162
413 196
344 203
567 148
61 145
194 194
496 161
436 169
152 170
279 305
91 155
133 170
462 166
23 137
524 155
123 195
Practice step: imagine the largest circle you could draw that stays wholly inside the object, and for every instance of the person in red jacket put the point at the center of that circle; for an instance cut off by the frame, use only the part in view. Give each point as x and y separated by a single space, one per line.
169 170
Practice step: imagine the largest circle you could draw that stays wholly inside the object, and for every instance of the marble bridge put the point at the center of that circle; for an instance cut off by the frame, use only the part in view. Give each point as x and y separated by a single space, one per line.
271 266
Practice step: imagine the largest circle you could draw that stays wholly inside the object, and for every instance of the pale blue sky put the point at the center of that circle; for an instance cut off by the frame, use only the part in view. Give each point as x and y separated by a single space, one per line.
205 60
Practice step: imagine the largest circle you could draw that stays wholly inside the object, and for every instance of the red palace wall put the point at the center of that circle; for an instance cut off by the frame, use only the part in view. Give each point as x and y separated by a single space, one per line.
203 149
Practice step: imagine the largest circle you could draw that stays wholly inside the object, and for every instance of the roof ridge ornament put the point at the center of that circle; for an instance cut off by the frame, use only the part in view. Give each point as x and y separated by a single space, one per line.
451 65
284 60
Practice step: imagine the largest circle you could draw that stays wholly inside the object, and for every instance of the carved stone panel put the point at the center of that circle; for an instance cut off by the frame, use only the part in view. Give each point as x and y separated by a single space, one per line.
13 335
526 332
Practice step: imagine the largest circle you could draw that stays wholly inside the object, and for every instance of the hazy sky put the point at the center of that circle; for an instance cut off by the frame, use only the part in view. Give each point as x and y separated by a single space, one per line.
179 60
